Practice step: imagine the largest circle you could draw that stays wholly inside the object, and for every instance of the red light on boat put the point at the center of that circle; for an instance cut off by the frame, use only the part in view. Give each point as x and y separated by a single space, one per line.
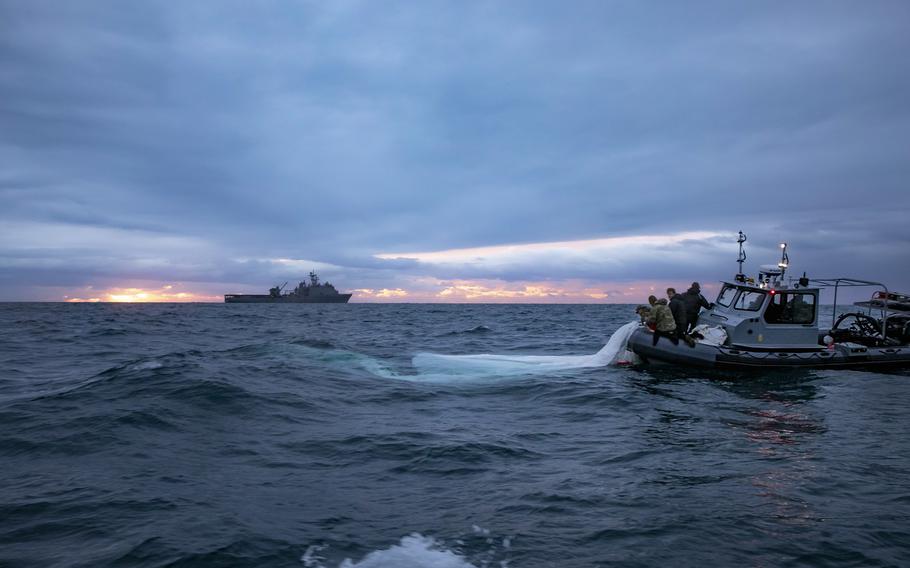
773 292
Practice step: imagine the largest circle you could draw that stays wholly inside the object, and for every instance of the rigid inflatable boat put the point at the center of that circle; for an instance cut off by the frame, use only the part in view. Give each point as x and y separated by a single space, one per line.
773 322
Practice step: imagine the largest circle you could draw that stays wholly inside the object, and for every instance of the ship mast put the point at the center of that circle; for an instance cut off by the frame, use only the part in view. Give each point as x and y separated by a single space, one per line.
742 257
784 260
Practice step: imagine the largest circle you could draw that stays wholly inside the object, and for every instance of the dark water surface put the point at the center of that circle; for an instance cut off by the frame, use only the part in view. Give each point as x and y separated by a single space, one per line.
309 435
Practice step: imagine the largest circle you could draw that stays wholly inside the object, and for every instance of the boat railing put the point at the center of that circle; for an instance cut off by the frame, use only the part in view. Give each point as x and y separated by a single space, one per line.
836 283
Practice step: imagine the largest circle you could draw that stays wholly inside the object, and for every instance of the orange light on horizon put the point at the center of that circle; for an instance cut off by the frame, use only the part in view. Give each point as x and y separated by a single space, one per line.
382 293
140 295
477 291
430 290
498 291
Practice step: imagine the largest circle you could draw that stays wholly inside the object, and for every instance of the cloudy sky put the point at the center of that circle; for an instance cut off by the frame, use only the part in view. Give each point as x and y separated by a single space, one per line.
447 151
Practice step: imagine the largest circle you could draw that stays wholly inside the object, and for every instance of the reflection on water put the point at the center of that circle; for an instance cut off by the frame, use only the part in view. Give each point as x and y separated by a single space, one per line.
778 420
797 385
782 490
774 427
783 430
777 410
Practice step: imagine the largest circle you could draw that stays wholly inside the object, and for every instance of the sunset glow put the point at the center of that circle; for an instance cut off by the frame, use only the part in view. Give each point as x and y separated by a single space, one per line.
384 293
429 290
138 295
497 291
541 292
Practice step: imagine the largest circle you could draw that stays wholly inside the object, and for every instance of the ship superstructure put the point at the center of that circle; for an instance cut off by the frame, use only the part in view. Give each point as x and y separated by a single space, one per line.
307 292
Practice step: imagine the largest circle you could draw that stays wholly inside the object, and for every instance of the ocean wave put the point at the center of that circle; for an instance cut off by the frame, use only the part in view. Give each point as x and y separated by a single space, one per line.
143 419
478 329
48 390
315 343
214 395
107 332
419 551
414 551
145 365
400 446
464 458
209 441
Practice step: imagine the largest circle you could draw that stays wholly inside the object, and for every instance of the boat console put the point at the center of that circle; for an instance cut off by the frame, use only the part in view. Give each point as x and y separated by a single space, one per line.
772 313
767 317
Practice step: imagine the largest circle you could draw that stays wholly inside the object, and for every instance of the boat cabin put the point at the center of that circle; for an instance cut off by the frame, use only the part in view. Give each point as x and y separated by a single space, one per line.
767 314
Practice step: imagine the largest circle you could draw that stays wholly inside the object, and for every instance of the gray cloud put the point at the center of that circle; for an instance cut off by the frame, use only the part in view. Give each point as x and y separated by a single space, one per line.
335 131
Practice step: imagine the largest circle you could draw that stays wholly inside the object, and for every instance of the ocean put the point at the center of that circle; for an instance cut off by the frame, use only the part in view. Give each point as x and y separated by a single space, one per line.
327 436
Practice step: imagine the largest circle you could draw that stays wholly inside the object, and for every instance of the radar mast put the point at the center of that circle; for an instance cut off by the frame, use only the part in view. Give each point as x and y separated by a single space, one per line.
740 277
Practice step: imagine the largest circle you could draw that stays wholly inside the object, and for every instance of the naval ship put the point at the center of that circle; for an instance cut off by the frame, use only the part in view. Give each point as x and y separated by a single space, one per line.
312 292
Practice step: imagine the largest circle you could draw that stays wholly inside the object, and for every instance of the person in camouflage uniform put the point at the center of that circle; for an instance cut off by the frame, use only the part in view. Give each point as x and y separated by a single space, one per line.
662 319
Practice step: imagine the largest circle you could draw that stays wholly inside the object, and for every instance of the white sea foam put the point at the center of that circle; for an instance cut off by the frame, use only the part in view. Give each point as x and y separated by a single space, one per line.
311 558
146 365
414 551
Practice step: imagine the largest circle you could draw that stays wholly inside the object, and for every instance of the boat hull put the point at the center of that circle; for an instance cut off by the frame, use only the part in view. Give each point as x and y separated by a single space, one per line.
740 357
287 299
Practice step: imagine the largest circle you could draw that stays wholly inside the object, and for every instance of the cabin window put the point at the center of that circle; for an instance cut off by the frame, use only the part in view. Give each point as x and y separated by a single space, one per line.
750 301
789 307
726 295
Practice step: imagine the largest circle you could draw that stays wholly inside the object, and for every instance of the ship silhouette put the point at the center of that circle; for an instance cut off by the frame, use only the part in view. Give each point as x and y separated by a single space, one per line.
312 292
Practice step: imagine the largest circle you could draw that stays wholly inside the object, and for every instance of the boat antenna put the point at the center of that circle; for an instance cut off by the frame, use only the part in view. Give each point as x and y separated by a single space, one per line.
784 260
742 257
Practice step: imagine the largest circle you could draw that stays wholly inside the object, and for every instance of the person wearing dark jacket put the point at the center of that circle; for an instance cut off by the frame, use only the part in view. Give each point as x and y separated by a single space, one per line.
694 301
678 309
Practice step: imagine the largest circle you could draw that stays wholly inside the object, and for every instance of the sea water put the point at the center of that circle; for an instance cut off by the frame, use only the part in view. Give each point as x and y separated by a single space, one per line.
328 436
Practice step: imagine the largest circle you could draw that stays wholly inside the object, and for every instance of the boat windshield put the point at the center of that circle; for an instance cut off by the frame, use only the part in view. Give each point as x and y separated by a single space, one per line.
726 295
790 307
750 300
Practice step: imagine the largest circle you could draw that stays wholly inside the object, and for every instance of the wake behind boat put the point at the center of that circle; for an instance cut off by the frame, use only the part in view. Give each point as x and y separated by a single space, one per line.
770 322
312 292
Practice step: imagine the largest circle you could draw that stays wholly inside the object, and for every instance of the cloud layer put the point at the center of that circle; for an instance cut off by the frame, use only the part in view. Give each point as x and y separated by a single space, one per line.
225 146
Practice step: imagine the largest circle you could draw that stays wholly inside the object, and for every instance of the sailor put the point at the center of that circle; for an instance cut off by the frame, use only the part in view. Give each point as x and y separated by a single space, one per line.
694 301
643 312
678 309
662 319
